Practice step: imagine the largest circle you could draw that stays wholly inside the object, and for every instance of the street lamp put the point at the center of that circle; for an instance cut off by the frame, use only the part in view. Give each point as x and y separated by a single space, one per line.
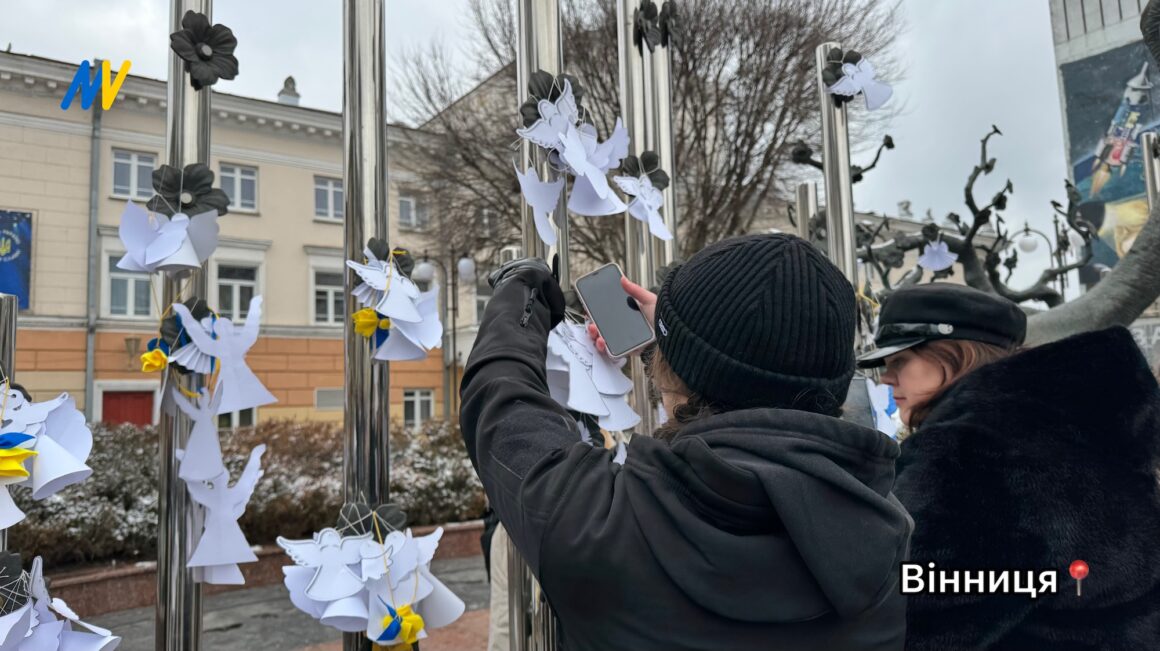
1029 244
464 269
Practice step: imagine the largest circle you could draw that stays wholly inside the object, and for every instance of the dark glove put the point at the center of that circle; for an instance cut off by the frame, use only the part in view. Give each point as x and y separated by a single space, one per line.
535 274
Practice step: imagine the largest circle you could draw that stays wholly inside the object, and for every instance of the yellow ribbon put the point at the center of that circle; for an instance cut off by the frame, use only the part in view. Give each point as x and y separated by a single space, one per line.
12 465
154 360
411 624
366 321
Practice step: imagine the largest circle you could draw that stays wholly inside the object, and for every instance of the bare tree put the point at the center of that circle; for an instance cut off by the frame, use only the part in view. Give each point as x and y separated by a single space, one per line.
744 93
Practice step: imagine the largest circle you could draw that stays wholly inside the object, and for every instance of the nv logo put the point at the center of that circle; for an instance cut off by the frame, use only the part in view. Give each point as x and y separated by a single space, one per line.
5 246
85 84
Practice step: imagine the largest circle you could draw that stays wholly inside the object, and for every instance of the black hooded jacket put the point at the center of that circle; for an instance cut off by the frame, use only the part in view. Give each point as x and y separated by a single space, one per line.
1033 462
759 529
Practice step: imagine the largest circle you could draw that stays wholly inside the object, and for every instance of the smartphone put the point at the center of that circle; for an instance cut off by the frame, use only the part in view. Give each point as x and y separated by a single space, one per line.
624 328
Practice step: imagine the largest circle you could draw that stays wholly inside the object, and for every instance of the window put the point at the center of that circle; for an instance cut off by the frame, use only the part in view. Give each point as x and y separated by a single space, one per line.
328 399
241 186
234 419
488 223
412 214
236 286
328 198
129 292
328 298
509 253
133 174
417 407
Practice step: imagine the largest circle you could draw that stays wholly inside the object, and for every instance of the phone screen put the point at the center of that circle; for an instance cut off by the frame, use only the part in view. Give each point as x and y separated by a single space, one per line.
623 327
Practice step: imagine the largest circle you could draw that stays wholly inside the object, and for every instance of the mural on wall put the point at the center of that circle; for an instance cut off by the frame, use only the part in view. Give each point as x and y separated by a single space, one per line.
1110 102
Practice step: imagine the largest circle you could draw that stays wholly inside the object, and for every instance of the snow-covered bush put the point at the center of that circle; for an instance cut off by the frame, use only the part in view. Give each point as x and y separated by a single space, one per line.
113 515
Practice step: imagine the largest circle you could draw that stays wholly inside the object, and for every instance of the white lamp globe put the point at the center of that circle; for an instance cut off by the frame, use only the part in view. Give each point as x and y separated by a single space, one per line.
424 272
1028 244
466 268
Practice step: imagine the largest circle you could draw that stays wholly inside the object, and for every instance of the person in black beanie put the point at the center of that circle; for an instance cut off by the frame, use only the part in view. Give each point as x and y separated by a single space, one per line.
761 521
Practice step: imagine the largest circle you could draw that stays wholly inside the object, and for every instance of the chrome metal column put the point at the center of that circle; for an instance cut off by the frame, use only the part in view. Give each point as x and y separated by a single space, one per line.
840 242
807 207
178 610
665 146
1151 166
9 308
366 451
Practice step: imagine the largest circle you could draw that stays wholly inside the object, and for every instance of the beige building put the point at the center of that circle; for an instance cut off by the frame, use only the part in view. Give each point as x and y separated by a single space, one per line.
280 163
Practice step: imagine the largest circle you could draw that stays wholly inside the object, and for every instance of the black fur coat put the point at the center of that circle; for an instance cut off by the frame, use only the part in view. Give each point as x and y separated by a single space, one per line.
1033 462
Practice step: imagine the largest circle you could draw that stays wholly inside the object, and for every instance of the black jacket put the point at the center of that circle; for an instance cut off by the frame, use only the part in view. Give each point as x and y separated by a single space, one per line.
1033 462
759 529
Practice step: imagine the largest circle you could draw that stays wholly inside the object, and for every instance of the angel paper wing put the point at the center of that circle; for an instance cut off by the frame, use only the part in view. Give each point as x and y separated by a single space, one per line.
250 331
203 233
577 157
136 232
609 153
555 118
196 333
170 237
374 275
66 425
243 490
543 197
846 87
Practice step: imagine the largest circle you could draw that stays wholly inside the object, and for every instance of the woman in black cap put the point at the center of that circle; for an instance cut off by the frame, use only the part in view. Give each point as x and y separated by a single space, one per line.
1022 461
762 523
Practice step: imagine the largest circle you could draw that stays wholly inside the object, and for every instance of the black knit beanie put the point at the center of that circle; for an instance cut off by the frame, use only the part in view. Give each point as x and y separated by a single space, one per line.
760 321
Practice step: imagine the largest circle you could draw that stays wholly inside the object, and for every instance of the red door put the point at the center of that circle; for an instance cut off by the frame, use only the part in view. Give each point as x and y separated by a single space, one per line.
134 407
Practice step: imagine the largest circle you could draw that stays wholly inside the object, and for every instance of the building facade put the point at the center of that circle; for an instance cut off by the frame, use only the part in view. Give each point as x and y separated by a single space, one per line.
87 322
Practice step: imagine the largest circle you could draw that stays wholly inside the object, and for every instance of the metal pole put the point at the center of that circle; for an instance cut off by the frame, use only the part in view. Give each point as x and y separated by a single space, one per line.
840 242
1151 167
632 101
453 272
366 459
94 260
178 612
662 62
9 308
807 207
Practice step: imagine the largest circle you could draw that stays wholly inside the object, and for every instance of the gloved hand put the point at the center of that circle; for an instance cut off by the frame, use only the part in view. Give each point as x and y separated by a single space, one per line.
535 274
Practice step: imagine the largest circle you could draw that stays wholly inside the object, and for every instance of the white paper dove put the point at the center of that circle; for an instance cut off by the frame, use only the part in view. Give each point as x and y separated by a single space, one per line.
154 242
646 203
240 388
937 256
53 621
202 458
859 78
223 545
412 340
586 380
555 119
589 160
544 198
386 289
335 559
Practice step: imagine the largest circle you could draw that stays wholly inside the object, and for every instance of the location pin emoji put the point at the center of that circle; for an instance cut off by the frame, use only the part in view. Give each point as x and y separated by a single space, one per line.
1079 572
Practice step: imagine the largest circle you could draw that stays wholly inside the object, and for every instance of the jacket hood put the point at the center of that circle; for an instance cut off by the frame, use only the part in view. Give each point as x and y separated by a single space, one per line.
788 504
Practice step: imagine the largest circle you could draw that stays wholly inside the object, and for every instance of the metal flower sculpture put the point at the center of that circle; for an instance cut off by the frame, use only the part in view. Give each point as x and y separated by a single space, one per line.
669 23
208 51
190 191
544 87
648 28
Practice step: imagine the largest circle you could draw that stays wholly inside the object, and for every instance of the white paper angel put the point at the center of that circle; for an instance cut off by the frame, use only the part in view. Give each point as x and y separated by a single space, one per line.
412 340
937 256
585 380
202 457
386 289
859 78
53 620
223 545
335 560
544 198
240 388
15 627
646 203
555 118
400 582
154 242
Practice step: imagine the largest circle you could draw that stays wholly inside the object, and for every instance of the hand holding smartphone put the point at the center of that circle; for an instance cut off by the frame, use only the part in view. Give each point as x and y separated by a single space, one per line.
623 327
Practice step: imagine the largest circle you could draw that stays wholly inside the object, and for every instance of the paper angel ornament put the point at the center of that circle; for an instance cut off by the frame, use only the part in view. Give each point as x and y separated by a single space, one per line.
406 599
411 340
644 181
544 198
14 627
331 556
240 388
202 457
53 622
223 545
589 161
586 380
154 242
555 119
850 74
937 256
386 289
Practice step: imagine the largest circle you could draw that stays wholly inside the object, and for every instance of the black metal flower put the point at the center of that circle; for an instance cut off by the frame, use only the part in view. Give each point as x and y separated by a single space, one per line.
646 20
358 518
190 192
208 51
543 86
648 164
832 72
888 142
403 257
670 23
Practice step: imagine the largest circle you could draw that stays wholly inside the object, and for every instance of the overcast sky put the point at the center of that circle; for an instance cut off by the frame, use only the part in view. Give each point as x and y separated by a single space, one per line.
969 64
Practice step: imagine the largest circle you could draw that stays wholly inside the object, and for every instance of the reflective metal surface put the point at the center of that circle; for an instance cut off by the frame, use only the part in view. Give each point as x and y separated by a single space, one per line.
662 62
840 242
1151 166
178 611
366 453
807 207
9 308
